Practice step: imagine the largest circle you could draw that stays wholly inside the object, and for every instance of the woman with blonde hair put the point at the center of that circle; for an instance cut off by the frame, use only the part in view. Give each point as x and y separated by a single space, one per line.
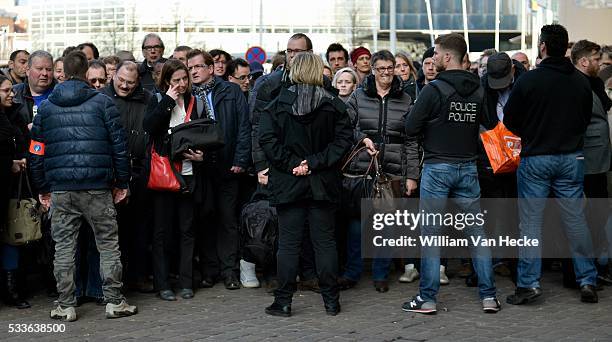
304 134
404 68
345 81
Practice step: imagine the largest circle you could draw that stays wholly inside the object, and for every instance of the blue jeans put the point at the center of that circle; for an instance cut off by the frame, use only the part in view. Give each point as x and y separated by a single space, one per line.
10 257
563 175
354 261
441 181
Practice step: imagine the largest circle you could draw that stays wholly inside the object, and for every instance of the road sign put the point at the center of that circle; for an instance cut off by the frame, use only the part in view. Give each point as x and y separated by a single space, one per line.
255 54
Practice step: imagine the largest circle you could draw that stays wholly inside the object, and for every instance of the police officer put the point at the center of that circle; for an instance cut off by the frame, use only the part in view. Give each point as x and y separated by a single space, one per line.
447 115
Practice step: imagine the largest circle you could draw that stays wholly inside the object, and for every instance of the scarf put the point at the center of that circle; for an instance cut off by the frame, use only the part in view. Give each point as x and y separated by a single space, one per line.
202 92
309 97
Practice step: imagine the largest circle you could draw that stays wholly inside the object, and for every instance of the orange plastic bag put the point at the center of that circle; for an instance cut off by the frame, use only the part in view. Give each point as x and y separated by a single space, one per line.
503 149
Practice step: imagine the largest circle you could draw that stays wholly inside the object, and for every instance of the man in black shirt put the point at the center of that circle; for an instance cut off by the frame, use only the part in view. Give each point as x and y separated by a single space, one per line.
448 114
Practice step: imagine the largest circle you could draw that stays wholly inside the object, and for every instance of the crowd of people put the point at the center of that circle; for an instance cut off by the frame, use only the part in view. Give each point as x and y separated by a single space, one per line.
87 131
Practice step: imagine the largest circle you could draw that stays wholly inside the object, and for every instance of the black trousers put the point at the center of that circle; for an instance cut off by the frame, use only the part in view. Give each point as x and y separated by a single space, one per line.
170 208
292 220
134 219
597 210
220 230
308 267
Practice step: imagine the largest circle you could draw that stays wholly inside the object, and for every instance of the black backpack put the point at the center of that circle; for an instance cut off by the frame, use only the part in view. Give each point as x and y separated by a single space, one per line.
258 232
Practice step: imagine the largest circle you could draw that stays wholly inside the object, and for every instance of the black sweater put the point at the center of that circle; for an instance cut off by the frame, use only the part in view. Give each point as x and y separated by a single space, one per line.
445 142
550 108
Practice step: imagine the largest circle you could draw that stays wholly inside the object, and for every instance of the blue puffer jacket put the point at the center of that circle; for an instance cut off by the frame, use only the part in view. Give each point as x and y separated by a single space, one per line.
78 142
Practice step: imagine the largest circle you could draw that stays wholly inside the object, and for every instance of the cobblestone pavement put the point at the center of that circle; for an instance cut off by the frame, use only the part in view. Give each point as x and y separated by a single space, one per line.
220 315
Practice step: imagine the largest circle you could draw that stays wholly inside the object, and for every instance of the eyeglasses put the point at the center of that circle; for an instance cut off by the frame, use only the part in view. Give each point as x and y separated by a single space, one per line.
96 80
382 70
152 47
197 66
242 78
292 51
126 82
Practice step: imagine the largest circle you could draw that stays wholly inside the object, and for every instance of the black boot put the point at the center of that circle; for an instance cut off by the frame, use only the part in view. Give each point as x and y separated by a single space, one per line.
331 300
12 297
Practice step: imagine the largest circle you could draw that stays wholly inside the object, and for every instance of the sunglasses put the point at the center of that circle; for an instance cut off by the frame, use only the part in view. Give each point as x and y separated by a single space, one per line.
97 80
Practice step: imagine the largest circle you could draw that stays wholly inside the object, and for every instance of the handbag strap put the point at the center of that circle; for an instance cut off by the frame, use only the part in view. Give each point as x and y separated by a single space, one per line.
23 174
19 188
27 179
179 177
354 153
189 109
356 150
380 176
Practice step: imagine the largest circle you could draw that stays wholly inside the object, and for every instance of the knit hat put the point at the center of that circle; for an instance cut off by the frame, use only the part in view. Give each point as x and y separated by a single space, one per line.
360 51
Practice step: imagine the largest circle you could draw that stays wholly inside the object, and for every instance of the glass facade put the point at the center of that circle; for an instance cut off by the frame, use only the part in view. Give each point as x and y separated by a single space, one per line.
56 25
448 15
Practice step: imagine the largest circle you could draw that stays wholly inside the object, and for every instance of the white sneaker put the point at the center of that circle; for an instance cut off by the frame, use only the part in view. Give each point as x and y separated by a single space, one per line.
248 278
410 274
120 310
67 314
443 278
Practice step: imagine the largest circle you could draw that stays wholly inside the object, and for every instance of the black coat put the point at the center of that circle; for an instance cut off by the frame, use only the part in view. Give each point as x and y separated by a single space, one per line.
157 119
132 109
232 113
321 135
156 124
23 98
382 120
145 73
7 153
550 108
7 147
85 145
266 89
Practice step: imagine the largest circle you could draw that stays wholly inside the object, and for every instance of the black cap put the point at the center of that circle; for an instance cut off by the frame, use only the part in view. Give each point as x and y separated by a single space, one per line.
499 70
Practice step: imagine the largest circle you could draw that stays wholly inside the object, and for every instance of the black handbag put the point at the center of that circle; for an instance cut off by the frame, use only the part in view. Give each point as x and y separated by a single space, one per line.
355 186
201 134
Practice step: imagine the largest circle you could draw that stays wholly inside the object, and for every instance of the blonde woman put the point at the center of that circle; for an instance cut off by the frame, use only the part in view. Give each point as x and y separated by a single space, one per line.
404 68
345 81
304 134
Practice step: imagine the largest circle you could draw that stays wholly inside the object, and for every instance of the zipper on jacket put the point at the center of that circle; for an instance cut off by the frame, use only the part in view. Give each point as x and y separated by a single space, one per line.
383 130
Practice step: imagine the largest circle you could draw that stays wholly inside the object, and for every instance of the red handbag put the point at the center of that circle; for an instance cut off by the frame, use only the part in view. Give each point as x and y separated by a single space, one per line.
162 176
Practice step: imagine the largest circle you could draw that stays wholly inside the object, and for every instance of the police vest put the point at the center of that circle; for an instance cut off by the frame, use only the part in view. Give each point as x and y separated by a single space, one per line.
454 132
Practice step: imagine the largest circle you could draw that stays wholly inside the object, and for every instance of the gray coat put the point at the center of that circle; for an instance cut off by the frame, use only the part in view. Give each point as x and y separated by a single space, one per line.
382 120
597 149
